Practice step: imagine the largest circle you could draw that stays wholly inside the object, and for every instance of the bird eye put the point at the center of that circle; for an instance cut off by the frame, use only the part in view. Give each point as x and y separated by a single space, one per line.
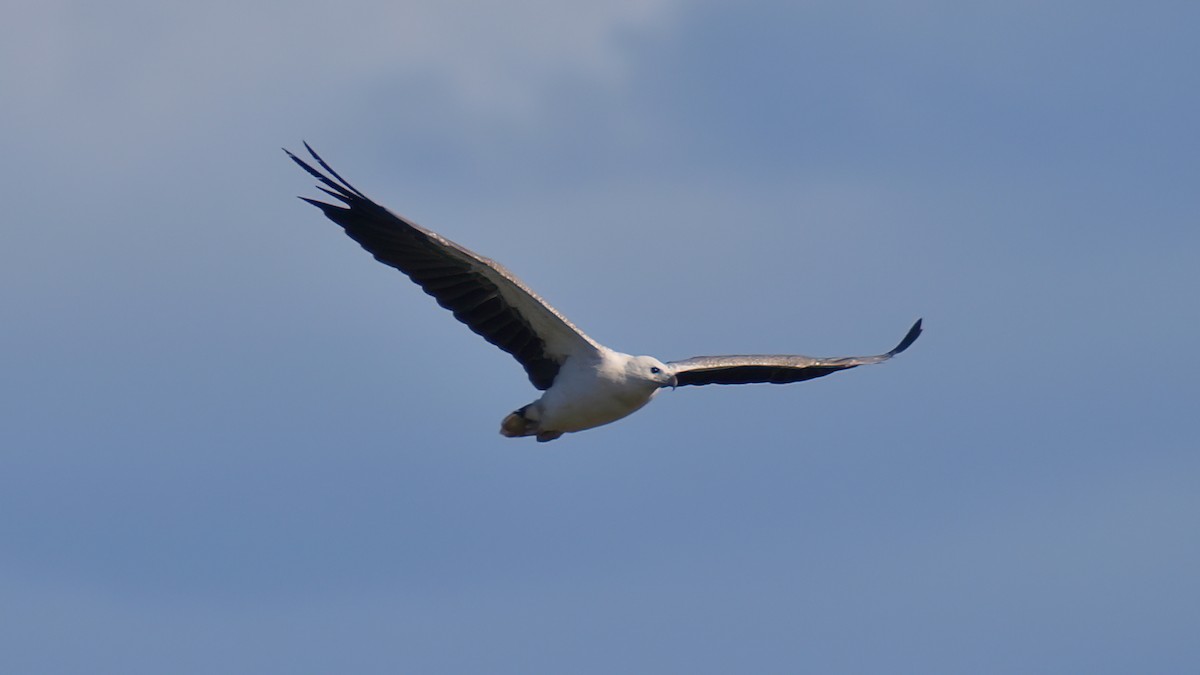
655 369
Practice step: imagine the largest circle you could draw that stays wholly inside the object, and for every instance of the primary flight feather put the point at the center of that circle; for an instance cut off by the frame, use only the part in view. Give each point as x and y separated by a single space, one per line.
585 384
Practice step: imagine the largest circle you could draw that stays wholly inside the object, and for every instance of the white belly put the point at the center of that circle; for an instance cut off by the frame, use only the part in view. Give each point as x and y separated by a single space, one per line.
586 397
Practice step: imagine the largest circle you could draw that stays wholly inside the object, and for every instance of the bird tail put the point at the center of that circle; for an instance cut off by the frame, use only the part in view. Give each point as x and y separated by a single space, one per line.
517 424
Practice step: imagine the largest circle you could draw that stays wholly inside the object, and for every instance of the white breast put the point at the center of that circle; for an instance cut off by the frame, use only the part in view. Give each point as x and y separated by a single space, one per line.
588 394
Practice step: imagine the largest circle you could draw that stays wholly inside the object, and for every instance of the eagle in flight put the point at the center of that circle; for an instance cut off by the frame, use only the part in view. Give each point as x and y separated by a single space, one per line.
584 383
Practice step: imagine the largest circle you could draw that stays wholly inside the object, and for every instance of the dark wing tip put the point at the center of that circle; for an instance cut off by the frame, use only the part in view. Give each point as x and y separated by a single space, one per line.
911 337
338 187
304 165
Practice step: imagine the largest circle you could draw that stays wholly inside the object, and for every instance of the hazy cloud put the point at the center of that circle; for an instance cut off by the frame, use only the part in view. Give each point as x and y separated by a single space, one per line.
231 441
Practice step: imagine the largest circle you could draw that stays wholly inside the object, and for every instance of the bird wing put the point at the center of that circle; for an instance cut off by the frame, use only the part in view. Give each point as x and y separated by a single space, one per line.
774 369
489 299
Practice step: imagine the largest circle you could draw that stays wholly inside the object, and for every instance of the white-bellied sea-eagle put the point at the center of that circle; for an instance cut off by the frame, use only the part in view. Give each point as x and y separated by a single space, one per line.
585 384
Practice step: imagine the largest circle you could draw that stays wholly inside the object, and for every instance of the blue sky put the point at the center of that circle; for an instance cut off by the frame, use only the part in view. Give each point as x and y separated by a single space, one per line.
234 443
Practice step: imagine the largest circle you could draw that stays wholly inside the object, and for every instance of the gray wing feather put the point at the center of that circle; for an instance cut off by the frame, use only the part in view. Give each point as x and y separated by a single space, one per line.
774 368
481 293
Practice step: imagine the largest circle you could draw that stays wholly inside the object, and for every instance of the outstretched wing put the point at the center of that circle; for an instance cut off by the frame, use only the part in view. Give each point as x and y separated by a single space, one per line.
480 292
774 369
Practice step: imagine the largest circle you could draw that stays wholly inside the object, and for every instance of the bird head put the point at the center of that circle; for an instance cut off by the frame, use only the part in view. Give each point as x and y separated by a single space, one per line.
654 371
